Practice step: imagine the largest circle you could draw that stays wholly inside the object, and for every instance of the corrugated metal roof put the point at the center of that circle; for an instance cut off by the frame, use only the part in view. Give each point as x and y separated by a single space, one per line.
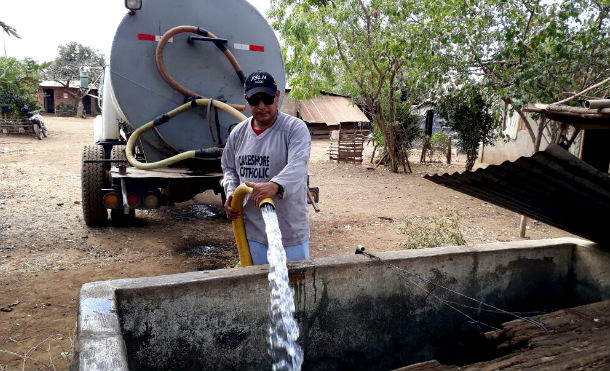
330 110
579 117
552 186
73 84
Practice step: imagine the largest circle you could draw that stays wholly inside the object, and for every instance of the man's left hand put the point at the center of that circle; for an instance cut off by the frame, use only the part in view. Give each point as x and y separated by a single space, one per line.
261 191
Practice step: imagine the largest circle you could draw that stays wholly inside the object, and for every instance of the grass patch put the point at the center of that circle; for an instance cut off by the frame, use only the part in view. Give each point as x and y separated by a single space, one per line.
432 231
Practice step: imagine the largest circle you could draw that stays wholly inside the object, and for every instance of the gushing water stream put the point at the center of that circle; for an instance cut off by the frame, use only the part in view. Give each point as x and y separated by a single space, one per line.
283 330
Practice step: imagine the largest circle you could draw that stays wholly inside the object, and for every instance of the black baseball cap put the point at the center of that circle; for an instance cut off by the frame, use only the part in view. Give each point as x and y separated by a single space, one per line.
260 82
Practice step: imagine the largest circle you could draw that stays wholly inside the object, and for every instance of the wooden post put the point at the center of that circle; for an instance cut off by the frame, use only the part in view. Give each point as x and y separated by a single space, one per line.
449 152
425 148
522 226
541 125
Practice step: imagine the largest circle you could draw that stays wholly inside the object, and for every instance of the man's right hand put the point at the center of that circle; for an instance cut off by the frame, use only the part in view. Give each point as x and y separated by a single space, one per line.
232 214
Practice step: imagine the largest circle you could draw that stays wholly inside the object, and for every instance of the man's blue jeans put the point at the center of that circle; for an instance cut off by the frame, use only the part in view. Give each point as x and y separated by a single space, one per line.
258 251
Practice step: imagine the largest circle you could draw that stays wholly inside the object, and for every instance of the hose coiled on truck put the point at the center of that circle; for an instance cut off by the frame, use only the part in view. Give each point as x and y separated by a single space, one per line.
202 153
230 108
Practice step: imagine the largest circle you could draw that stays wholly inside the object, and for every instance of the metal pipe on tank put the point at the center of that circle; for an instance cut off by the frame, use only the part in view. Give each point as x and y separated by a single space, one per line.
597 103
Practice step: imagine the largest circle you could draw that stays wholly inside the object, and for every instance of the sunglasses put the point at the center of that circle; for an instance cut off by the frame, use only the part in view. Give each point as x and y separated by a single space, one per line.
256 99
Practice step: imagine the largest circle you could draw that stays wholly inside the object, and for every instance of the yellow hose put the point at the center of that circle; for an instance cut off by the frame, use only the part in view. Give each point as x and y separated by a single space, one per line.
175 112
239 230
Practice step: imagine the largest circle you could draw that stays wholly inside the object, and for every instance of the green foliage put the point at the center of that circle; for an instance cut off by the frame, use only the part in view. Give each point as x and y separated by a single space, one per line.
439 143
470 115
384 51
433 231
409 126
64 109
526 50
378 52
19 81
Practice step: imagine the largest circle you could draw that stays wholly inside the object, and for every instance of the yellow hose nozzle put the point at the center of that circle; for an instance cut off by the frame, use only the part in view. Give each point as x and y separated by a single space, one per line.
239 230
266 201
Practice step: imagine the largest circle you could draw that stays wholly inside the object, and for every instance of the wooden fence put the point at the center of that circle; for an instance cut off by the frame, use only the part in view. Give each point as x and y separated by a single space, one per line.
15 125
348 145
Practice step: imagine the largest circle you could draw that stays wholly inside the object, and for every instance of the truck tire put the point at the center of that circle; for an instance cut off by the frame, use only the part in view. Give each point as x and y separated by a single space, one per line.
92 182
118 153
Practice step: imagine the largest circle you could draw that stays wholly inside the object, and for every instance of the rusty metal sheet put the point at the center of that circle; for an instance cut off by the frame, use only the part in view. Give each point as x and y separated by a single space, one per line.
330 110
552 186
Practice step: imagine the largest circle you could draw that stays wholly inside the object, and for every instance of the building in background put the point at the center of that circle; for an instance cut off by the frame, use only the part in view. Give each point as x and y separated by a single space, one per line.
56 99
326 113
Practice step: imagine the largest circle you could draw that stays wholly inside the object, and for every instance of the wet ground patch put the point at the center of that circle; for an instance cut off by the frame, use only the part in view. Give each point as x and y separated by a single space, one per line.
209 254
195 212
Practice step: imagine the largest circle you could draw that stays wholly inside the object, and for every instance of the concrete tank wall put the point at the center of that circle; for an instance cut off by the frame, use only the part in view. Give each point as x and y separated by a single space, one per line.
353 313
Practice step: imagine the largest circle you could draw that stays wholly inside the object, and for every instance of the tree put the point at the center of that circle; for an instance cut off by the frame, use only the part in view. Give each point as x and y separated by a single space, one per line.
527 50
9 31
524 51
66 68
19 81
468 114
373 51
407 131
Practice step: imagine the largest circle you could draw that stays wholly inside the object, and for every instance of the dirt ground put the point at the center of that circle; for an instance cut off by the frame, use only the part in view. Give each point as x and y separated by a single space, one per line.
47 252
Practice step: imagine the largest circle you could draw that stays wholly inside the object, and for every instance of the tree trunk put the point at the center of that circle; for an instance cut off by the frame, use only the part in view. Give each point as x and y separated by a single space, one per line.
471 157
389 139
373 154
470 160
425 148
541 125
80 109
527 125
393 152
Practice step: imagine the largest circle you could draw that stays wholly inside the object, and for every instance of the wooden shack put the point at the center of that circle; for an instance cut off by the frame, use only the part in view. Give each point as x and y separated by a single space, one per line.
336 117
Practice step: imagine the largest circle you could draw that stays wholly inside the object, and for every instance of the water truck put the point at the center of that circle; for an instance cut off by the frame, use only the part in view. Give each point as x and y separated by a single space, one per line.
171 94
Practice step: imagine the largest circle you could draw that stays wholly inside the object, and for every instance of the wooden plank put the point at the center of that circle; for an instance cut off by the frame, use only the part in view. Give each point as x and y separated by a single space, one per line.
16 125
577 339
348 146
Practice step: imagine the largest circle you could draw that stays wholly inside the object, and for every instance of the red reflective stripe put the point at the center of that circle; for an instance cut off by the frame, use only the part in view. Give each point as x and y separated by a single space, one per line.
145 36
257 48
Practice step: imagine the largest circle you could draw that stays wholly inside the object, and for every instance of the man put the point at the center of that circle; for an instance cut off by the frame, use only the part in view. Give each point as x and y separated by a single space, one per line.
269 152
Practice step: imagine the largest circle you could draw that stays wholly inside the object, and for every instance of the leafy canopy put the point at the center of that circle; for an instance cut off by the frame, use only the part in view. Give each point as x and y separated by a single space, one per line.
19 81
517 51
375 51
72 57
527 50
468 114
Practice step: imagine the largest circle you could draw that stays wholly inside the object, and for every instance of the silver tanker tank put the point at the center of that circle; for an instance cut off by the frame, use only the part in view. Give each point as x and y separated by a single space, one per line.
141 93
162 56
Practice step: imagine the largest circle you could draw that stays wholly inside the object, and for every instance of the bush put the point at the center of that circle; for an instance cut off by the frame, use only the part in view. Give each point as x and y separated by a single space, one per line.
439 143
65 110
19 82
432 231
409 126
469 114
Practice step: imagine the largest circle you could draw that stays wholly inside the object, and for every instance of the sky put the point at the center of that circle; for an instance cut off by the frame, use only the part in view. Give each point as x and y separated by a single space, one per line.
45 24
